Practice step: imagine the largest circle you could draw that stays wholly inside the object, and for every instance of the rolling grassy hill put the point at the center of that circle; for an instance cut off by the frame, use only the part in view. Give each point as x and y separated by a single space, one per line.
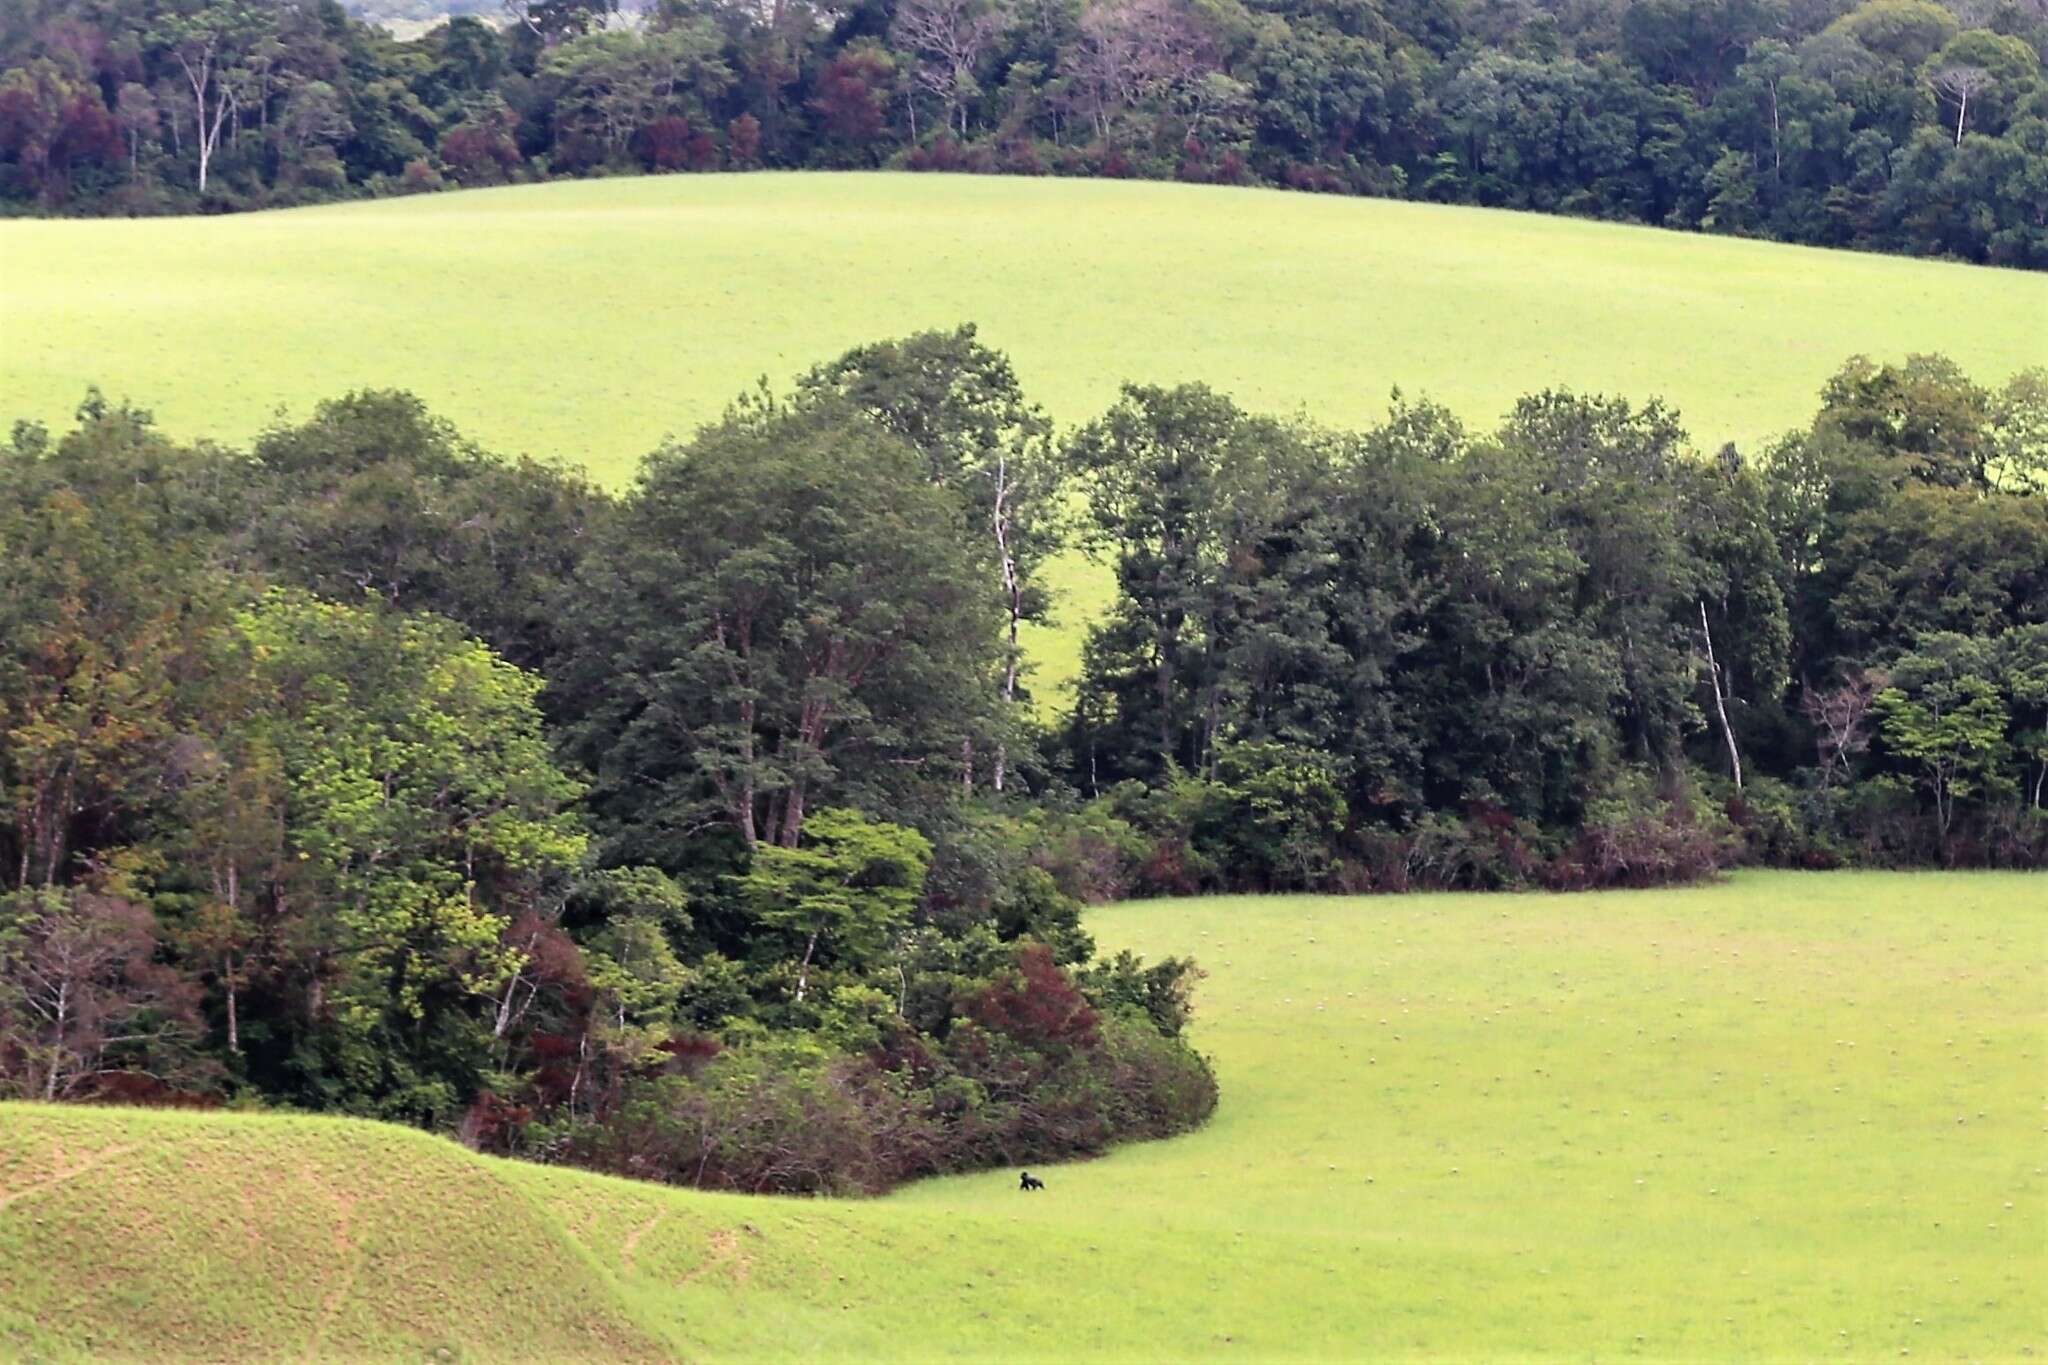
584 320
1795 1116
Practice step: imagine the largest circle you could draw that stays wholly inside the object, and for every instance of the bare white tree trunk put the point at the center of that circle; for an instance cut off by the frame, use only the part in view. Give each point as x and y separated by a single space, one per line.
1013 588
803 972
1959 83
209 93
1720 701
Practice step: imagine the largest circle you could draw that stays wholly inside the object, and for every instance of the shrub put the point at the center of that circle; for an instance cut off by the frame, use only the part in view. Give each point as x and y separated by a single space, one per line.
1631 836
944 154
670 143
1773 827
1285 813
743 141
420 177
1092 855
1163 992
478 153
1028 1070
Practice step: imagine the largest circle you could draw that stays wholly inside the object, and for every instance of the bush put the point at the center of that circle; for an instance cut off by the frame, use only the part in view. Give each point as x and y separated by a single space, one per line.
1631 836
985 871
1285 814
1163 992
1487 850
670 143
420 177
759 1120
1774 827
944 154
1028 1070
1092 855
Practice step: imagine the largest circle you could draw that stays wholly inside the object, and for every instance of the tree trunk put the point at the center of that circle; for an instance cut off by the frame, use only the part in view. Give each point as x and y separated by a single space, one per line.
59 825
1013 585
803 973
1777 152
205 132
227 976
582 1057
1720 704
63 1013
746 801
792 816
1944 810
1169 657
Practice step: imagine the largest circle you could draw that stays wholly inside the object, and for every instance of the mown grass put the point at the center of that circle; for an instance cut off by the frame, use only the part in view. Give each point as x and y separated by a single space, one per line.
584 320
1792 1117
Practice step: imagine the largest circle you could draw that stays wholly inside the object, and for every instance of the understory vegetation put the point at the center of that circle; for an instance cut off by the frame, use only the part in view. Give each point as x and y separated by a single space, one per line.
710 833
1895 125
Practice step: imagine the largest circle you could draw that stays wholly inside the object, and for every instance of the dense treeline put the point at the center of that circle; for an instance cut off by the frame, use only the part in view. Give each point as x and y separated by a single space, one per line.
286 820
1572 652
710 832
1898 125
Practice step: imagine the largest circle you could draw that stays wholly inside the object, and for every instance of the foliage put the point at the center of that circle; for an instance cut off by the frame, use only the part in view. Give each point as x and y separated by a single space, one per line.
425 815
850 889
82 1002
765 640
1026 1072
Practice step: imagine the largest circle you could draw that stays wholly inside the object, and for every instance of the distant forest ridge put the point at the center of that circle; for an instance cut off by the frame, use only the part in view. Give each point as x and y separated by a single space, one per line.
422 11
1893 125
426 13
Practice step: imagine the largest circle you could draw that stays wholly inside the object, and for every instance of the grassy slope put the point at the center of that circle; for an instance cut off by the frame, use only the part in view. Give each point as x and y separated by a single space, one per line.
1794 1117
584 320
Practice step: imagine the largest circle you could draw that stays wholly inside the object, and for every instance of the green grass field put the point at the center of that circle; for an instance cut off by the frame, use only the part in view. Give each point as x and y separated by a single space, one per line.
585 320
1792 1117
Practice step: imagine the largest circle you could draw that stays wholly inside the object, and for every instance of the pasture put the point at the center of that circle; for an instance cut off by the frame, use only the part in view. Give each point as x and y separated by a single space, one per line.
584 320
1791 1116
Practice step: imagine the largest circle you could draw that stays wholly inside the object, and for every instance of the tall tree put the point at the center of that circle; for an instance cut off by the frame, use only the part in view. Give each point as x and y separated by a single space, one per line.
82 997
949 38
1178 481
792 613
95 638
1945 717
212 43
959 403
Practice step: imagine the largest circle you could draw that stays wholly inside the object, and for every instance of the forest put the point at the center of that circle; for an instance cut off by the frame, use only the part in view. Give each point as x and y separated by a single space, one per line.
710 831
1891 125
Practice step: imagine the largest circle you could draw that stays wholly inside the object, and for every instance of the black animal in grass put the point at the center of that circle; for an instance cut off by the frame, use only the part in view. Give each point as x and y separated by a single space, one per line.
1030 1182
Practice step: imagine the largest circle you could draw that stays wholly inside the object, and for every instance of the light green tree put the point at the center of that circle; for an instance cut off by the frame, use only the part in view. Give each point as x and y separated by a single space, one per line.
1945 715
425 816
847 890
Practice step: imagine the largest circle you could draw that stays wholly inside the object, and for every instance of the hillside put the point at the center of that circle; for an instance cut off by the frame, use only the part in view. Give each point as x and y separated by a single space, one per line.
1441 1118
585 320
